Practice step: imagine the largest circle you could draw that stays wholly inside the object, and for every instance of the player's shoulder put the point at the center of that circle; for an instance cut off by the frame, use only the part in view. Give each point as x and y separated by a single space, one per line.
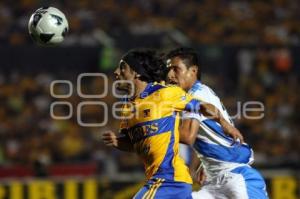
203 91
151 89
174 89
158 85
206 88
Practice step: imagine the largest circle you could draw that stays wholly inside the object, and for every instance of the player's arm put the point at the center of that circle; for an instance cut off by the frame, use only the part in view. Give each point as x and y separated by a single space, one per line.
188 131
197 170
120 142
189 127
211 112
185 102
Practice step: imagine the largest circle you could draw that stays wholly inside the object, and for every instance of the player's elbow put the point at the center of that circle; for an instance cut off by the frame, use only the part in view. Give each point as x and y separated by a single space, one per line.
210 111
186 139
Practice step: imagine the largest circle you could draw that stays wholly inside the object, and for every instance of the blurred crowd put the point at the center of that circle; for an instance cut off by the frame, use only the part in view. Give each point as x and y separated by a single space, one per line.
31 136
267 76
111 22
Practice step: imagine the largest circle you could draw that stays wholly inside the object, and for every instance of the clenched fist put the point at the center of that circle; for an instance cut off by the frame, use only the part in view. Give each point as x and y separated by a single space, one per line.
110 139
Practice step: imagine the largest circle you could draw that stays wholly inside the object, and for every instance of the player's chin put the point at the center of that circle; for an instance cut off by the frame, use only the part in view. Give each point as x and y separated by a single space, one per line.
173 83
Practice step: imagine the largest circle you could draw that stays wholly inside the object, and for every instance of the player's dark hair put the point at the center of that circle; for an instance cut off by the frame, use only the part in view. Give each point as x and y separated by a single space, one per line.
147 63
189 57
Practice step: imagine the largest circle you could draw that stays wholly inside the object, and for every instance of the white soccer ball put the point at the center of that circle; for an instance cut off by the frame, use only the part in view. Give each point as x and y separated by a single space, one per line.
48 26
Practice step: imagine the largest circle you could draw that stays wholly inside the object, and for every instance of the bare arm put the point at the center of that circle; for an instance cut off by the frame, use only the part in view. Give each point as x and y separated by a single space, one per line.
188 131
197 170
120 142
210 111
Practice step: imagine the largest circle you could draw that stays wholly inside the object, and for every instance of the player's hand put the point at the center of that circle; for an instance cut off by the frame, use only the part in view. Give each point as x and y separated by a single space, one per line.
110 139
235 134
200 176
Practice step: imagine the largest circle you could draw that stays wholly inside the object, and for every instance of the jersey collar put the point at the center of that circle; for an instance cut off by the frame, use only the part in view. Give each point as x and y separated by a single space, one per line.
196 86
150 88
144 94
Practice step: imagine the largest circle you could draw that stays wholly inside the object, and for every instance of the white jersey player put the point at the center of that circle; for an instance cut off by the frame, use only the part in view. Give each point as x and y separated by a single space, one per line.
226 163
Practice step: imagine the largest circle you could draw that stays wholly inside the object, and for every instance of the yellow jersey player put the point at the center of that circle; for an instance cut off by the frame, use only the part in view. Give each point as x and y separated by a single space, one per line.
150 127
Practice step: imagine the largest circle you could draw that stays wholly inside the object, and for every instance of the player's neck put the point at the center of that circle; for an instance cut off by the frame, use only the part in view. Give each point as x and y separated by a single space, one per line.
190 85
139 87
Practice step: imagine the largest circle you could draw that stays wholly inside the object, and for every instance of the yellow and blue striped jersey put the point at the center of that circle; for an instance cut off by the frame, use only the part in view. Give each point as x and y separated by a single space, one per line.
152 127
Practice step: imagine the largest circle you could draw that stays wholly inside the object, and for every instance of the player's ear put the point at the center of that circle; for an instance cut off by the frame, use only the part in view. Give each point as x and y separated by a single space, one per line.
194 69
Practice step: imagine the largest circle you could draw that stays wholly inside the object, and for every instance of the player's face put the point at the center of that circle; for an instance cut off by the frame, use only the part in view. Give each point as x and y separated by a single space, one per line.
179 74
124 72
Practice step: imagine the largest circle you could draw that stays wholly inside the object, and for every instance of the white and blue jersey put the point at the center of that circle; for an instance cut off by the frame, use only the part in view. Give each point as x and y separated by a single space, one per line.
216 150
222 160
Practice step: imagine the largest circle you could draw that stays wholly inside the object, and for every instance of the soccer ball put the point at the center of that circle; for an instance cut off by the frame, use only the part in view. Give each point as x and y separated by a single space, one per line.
48 26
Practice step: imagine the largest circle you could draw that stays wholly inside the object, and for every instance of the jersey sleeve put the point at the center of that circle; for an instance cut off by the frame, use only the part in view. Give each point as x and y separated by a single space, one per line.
182 101
189 115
